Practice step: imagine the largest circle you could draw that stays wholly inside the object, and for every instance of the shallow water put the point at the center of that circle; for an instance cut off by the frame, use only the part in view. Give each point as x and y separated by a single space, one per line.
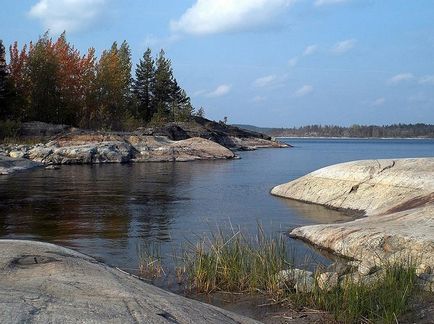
107 211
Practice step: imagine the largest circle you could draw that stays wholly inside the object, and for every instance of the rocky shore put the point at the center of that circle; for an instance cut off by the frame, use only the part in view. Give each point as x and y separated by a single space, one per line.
397 197
45 283
199 139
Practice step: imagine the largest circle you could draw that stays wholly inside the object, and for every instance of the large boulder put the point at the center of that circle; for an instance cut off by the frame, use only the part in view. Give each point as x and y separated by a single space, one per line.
45 283
397 197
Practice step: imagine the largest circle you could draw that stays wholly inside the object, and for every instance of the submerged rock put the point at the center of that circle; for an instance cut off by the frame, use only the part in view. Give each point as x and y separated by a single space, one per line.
45 283
9 165
397 197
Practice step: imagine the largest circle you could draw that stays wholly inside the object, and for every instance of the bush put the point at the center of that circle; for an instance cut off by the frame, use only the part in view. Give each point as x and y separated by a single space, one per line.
9 129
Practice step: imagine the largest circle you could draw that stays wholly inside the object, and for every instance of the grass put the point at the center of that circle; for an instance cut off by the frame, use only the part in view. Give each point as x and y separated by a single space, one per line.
382 301
233 262
230 261
151 265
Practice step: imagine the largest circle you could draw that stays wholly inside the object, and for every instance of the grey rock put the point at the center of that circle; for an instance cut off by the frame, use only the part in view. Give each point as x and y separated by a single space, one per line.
95 148
17 154
425 282
397 197
302 281
327 280
45 283
9 165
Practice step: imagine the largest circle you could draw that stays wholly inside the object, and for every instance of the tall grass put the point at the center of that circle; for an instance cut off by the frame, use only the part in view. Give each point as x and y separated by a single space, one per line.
230 261
233 262
380 301
151 265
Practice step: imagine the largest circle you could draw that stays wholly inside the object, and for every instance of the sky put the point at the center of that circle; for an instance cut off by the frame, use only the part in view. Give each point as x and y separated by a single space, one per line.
273 63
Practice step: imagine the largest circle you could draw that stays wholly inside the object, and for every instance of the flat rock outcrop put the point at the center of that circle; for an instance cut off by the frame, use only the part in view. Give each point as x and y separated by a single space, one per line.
94 148
226 135
397 197
45 283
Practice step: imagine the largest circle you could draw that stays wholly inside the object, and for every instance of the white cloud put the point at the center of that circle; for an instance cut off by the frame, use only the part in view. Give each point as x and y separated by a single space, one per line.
293 61
427 79
344 46
220 91
264 81
218 16
303 91
319 3
400 78
378 102
259 99
311 49
161 42
69 15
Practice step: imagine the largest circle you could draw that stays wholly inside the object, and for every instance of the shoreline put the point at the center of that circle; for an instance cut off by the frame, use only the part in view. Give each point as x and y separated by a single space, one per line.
390 192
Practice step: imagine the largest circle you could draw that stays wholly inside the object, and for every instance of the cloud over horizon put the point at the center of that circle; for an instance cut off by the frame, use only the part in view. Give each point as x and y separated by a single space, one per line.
311 49
303 91
264 81
378 102
427 79
344 46
220 91
400 78
67 15
219 16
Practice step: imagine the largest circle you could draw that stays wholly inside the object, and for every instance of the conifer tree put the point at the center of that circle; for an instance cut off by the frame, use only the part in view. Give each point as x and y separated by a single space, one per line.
125 66
144 86
163 87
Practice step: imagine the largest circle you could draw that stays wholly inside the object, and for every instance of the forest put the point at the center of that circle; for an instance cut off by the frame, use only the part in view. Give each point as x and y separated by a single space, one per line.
51 81
387 131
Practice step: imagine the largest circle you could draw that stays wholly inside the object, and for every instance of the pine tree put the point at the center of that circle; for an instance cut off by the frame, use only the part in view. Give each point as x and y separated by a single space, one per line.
181 105
163 87
144 86
125 66
201 112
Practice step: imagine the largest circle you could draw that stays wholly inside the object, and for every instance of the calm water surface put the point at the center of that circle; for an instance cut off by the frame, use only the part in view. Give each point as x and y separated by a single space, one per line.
107 211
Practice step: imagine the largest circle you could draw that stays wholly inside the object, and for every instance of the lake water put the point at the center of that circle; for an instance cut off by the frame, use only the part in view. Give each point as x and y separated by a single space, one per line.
107 211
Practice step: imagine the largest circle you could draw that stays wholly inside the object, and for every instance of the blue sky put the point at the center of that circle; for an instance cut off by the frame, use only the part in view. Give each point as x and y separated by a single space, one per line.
265 62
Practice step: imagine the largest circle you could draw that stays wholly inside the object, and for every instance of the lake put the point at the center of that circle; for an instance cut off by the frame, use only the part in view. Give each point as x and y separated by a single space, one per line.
107 211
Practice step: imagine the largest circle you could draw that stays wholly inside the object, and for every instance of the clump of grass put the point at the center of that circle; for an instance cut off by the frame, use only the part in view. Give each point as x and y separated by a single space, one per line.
233 262
360 301
229 261
151 265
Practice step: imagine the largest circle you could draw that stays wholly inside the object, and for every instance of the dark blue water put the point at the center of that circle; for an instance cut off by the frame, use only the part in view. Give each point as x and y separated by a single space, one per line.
107 211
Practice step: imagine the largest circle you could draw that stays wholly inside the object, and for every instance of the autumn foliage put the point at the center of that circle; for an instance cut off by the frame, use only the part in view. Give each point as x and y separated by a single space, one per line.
51 81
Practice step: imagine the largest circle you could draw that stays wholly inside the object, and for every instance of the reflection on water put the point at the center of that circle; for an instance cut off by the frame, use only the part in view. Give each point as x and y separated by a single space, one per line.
107 211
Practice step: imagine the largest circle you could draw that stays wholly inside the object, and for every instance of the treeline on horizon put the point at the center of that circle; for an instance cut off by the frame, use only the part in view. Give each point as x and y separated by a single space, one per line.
391 131
51 81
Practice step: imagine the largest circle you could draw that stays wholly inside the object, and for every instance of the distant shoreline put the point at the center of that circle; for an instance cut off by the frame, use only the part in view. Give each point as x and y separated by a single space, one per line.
349 138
